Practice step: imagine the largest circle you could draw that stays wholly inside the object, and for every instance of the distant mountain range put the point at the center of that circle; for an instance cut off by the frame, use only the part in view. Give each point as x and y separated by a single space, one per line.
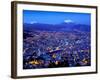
56 27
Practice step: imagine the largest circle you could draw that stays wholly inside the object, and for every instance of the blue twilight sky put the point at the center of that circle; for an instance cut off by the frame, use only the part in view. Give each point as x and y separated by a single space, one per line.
50 17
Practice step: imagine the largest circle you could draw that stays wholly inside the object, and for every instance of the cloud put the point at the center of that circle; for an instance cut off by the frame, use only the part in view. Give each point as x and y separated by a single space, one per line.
32 22
68 21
